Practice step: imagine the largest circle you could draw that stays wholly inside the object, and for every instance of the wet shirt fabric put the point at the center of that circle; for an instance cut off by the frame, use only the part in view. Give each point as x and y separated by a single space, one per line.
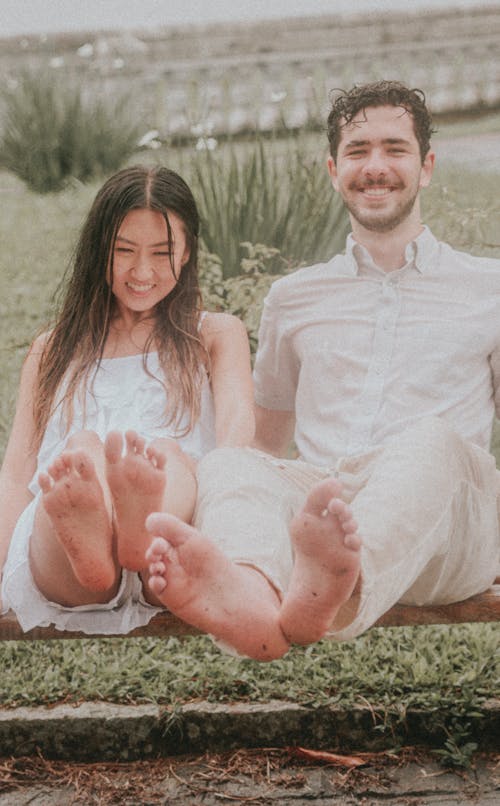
361 355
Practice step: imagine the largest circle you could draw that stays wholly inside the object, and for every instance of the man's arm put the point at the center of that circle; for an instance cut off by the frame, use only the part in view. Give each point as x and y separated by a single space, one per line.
495 377
274 430
276 374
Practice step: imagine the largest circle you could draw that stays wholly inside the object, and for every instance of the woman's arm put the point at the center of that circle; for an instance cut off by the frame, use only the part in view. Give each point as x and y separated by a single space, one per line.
20 458
274 430
226 340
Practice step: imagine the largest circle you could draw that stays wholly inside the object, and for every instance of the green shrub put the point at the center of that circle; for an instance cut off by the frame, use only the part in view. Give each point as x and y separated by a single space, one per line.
242 295
270 194
463 209
52 133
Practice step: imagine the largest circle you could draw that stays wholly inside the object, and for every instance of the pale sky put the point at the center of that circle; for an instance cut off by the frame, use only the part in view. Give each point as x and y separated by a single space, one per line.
51 16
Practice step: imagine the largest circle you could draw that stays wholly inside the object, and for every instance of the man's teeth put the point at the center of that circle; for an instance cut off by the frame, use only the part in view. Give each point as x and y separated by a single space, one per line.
377 191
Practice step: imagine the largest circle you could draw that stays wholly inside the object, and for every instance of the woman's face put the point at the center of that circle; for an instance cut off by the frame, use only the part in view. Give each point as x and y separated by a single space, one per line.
145 265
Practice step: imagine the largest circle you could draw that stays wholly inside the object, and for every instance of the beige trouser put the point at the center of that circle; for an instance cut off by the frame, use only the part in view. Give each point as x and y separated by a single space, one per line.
426 504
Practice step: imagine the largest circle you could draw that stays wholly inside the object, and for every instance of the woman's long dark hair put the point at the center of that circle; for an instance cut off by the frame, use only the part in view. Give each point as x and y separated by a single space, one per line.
75 345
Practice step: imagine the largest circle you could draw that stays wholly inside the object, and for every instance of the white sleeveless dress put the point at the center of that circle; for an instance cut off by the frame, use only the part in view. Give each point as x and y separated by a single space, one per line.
123 397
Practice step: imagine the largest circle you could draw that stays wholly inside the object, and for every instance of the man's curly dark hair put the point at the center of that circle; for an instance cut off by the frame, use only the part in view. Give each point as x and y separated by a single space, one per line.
347 104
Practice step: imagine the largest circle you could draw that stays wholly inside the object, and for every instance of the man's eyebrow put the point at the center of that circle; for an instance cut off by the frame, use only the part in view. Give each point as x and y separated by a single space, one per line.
396 141
356 143
133 243
385 141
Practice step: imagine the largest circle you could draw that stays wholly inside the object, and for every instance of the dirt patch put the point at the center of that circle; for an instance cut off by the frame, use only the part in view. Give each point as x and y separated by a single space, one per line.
247 776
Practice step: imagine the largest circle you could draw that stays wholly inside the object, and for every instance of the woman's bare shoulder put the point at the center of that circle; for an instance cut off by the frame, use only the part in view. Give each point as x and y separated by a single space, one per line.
221 323
39 343
35 352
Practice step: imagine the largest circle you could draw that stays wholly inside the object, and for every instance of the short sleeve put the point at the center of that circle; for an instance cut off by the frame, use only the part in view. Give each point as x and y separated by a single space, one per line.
495 375
276 364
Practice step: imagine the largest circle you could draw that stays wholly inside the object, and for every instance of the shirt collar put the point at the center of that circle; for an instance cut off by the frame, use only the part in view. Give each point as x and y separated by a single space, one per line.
421 253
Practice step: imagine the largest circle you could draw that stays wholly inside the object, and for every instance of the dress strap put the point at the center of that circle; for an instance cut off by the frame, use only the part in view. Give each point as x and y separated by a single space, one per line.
200 320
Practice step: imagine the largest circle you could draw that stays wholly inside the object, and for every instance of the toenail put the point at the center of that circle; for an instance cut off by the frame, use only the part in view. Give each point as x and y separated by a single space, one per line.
325 513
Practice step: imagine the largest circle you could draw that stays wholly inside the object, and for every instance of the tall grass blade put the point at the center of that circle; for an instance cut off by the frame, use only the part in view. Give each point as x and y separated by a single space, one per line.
52 133
279 197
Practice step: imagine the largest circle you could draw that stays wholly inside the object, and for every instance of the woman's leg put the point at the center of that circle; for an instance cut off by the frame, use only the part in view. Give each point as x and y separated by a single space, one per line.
72 555
156 478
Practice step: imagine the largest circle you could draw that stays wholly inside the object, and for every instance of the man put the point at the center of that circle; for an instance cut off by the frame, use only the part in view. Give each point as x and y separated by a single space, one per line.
384 364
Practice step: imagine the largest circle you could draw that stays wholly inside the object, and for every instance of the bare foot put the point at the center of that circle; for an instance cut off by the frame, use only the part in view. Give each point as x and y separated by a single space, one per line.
74 502
137 484
326 564
197 582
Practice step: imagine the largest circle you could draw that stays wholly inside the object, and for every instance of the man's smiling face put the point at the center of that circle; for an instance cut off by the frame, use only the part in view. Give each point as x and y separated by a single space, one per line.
378 170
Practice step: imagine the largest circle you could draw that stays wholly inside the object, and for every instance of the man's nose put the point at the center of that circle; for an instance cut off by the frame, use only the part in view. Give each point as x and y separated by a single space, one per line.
375 164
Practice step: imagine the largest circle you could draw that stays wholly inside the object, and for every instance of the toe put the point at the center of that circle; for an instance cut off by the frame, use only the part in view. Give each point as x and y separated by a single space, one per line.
353 541
160 524
68 461
156 549
157 584
157 568
321 495
350 526
113 446
57 469
337 507
156 457
44 482
84 465
135 443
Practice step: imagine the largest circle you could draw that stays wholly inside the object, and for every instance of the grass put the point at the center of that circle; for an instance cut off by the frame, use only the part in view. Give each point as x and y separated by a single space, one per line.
37 233
53 133
421 666
448 672
452 667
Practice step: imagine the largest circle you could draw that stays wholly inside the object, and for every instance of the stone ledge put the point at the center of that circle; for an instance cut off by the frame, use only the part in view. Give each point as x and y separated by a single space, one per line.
105 731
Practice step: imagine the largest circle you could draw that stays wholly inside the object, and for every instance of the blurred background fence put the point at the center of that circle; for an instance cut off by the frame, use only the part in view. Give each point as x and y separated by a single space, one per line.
205 81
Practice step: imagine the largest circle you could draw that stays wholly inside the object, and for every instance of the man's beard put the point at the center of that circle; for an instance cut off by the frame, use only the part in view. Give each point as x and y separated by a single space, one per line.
381 221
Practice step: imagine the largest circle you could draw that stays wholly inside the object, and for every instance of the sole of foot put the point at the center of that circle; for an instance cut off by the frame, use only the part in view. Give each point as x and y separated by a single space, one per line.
74 501
326 564
137 481
198 583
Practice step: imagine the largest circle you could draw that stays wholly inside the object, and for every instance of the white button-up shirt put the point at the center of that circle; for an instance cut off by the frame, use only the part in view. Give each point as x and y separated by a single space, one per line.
360 354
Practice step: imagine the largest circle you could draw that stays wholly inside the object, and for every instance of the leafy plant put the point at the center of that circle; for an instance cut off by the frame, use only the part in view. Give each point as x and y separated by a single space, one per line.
457 753
53 133
264 194
244 294
463 209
